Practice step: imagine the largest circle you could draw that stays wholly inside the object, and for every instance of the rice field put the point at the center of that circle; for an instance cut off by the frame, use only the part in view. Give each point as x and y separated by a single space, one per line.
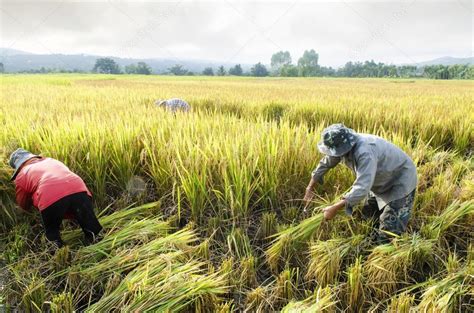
203 212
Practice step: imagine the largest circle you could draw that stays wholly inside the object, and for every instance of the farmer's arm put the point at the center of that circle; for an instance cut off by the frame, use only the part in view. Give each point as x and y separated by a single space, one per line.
23 199
326 163
365 172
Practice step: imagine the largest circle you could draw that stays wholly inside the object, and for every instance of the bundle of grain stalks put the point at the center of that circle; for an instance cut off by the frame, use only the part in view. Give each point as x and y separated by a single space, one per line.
355 291
259 300
450 216
132 234
101 267
124 259
321 301
286 285
163 284
401 303
391 266
452 292
286 242
117 220
326 258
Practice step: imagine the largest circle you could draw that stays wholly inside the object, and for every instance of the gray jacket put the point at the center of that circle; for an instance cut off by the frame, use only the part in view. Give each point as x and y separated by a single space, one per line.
380 167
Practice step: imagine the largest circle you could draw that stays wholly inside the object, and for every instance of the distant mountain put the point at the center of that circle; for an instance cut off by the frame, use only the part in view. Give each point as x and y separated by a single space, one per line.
9 52
447 61
17 61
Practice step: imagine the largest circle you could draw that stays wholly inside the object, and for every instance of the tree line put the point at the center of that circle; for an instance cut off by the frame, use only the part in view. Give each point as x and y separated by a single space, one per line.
281 65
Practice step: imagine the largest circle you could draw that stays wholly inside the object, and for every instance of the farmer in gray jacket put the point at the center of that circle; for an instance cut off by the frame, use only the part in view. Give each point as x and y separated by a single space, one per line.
385 178
174 105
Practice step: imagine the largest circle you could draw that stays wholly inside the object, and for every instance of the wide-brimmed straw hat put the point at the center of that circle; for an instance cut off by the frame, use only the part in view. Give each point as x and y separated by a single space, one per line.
18 157
337 140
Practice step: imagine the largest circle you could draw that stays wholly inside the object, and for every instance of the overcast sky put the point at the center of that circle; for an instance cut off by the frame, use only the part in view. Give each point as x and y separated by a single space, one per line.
242 31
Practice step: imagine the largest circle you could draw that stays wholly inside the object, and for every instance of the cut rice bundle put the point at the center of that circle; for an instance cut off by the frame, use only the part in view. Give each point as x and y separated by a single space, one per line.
118 219
327 257
401 303
321 301
287 241
449 217
355 286
452 293
127 259
132 234
389 266
161 285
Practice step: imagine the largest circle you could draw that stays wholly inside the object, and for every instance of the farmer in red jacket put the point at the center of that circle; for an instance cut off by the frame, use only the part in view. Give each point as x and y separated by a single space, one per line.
56 192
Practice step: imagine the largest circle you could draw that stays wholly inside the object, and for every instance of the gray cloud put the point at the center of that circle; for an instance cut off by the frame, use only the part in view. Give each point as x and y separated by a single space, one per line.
247 32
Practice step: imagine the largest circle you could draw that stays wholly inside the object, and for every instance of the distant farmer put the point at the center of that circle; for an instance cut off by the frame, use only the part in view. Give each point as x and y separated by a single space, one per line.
385 177
56 192
174 105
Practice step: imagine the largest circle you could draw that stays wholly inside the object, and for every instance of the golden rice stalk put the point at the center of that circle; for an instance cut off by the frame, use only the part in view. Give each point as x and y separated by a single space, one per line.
401 303
61 259
62 303
127 259
286 287
269 224
34 296
355 286
238 243
451 293
327 257
163 284
118 219
226 307
248 272
227 270
202 250
257 299
390 265
135 233
322 301
287 240
449 217
453 263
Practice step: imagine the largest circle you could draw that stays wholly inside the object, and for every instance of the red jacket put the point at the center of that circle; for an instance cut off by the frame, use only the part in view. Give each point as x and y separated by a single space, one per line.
44 181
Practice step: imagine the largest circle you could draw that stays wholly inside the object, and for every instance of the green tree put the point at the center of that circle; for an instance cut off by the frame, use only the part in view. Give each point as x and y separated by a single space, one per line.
177 70
308 63
221 71
236 70
106 66
279 60
208 71
289 70
326 71
407 71
470 72
143 68
2 68
131 69
437 71
259 70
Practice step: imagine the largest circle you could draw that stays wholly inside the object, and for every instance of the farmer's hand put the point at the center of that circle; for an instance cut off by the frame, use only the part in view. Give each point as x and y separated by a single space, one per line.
331 211
308 196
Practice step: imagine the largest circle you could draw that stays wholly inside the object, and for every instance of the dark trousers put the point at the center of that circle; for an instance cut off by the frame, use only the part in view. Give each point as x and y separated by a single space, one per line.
393 218
78 204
